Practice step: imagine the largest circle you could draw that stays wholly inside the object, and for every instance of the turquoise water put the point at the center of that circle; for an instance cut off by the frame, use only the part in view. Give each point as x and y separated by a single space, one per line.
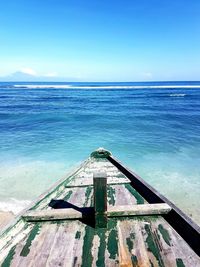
153 128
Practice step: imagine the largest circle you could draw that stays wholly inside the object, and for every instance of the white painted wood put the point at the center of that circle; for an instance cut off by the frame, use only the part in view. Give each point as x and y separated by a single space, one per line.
143 209
89 181
113 211
58 244
48 215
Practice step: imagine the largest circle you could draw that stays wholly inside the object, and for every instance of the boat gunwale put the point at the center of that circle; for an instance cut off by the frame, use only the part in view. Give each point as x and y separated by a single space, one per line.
42 196
182 223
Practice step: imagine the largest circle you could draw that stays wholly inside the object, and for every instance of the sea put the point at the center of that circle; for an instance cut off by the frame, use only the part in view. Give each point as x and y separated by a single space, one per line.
46 129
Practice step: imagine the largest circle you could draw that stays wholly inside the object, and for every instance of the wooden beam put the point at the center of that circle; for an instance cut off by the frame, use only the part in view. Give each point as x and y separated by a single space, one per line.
53 214
83 182
113 211
100 199
183 224
135 210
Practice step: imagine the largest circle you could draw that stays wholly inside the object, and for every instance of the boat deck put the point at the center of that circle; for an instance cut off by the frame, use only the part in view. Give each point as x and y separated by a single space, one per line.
127 240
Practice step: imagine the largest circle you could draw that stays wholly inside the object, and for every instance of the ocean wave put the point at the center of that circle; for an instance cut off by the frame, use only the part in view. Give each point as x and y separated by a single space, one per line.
177 95
41 86
14 205
67 86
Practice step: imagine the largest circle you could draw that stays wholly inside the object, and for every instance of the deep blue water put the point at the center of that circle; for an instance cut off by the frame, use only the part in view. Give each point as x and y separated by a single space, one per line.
45 131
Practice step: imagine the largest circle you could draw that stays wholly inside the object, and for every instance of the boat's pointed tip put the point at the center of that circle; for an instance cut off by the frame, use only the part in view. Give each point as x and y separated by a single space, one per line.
101 153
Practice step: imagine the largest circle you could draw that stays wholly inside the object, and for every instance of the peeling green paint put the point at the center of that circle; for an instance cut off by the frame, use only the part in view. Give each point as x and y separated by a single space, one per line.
78 235
9 257
111 195
56 222
57 188
139 198
62 183
67 197
164 234
87 195
146 218
102 247
87 247
10 228
35 231
134 260
117 213
100 154
152 246
129 241
45 198
120 175
179 263
112 244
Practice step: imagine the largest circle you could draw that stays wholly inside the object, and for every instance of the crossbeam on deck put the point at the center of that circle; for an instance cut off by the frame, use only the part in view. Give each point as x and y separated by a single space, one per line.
112 211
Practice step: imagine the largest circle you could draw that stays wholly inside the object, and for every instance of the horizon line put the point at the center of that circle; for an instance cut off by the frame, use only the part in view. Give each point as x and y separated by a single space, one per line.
150 81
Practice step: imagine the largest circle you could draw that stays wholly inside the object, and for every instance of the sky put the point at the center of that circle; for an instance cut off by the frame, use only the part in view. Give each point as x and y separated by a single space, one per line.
107 40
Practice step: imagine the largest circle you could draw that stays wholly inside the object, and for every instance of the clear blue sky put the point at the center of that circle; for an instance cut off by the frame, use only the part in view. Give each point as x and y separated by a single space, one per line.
101 40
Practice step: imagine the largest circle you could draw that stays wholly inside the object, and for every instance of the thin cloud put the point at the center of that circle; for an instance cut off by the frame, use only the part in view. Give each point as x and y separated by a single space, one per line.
28 71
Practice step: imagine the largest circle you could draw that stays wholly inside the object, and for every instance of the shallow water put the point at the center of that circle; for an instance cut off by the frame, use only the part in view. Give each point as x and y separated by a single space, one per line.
155 131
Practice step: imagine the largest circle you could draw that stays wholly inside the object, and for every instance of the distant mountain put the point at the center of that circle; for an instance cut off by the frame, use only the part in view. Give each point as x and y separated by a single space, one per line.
20 76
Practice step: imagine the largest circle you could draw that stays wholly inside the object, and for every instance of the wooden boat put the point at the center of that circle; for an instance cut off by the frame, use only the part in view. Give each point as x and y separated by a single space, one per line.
102 214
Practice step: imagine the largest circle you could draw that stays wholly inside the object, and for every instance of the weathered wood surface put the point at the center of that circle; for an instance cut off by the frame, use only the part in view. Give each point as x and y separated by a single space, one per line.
85 176
138 210
182 223
100 199
112 211
52 215
89 181
127 241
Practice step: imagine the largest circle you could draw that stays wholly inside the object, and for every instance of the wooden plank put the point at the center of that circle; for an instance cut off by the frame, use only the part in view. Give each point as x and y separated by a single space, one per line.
143 209
132 240
169 238
14 240
31 251
126 195
112 211
100 199
124 255
64 243
11 230
81 182
40 247
184 225
61 254
50 215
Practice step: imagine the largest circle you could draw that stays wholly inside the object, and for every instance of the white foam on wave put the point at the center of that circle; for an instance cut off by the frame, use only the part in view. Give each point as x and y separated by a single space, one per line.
14 205
177 95
67 86
136 86
41 86
23 180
